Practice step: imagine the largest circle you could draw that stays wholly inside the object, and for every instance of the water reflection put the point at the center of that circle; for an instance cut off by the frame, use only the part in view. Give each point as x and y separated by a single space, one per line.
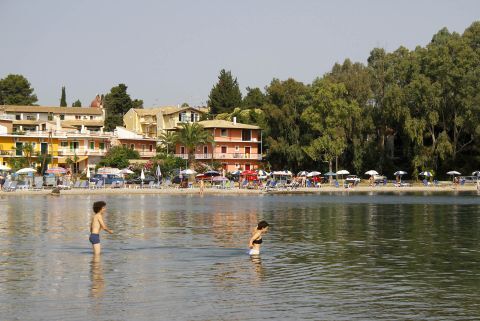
326 257
96 277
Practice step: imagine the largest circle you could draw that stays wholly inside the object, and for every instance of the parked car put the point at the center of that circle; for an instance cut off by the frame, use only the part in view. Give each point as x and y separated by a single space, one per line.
137 180
108 179
352 179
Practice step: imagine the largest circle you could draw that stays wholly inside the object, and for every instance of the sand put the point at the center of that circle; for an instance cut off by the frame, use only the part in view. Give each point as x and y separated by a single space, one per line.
236 191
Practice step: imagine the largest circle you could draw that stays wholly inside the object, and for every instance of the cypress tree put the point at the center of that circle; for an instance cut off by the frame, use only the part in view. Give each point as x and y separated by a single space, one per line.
63 99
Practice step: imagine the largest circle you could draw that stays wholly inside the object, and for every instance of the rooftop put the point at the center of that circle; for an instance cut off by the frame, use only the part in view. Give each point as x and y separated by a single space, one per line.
52 109
220 123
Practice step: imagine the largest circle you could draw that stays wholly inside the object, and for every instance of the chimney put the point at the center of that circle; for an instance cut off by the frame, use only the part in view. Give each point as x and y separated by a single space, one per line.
234 120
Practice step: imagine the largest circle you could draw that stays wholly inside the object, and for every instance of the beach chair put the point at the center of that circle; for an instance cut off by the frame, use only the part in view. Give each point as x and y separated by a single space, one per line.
98 185
425 182
77 184
151 184
23 186
6 185
38 184
244 184
337 185
84 184
435 183
12 187
167 183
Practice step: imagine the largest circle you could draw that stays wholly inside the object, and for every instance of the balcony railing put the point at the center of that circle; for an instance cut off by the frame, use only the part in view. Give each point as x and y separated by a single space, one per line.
220 156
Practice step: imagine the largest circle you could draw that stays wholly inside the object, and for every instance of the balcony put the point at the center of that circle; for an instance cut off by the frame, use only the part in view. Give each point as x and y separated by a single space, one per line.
225 139
220 156
81 152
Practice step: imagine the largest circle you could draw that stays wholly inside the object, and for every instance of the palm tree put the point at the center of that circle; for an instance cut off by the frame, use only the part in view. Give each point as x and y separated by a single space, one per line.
72 161
168 139
27 150
191 135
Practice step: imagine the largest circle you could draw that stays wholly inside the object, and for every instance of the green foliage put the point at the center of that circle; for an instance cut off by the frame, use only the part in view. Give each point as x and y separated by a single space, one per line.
255 98
16 90
118 157
63 98
77 103
116 104
225 95
167 141
169 164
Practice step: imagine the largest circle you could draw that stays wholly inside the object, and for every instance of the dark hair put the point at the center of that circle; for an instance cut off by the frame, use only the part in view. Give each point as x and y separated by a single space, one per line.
97 206
261 225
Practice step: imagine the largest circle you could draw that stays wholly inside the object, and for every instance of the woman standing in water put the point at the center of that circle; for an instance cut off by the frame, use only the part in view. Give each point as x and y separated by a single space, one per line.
256 238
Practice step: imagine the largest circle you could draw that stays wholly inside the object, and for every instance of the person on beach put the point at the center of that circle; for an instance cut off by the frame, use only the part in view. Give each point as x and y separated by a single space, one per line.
256 239
202 186
97 225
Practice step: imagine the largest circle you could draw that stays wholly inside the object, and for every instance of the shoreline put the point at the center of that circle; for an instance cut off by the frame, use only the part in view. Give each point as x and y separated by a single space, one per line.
236 191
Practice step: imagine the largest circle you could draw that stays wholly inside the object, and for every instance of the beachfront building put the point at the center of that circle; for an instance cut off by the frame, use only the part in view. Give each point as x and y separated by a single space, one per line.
44 118
236 146
152 122
68 147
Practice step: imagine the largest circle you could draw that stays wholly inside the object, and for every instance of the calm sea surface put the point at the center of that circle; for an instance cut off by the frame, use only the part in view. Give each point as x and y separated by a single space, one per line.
326 257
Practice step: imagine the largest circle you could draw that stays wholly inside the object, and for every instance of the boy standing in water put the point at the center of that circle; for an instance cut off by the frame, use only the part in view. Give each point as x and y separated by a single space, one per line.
97 225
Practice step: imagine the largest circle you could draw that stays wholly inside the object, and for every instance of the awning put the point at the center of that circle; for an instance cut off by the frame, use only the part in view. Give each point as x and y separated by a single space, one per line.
63 160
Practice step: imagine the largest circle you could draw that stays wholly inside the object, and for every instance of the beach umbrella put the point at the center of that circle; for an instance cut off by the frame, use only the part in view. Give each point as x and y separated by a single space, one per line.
371 172
188 172
303 174
426 174
314 173
476 173
236 173
158 171
211 173
399 173
220 179
56 170
330 174
343 172
126 171
261 172
26 170
453 173
4 168
88 173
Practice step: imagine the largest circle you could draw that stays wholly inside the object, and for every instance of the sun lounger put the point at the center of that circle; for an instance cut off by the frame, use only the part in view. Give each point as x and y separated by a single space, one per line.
84 184
38 184
77 184
98 185
6 186
12 187
337 185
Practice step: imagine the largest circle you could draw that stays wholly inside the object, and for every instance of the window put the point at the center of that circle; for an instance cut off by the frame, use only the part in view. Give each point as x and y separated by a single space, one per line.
64 144
31 117
91 117
132 146
78 117
144 147
182 117
124 145
224 149
101 146
205 149
237 148
62 117
224 132
74 145
182 149
194 117
150 147
246 135
18 117
92 145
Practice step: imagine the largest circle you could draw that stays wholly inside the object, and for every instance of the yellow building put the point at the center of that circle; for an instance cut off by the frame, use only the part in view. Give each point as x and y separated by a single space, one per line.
152 122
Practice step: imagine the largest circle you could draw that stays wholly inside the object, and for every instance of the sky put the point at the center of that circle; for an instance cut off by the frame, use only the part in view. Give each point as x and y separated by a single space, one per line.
171 52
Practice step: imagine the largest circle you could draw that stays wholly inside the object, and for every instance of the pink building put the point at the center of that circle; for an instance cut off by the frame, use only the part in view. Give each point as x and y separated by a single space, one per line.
237 146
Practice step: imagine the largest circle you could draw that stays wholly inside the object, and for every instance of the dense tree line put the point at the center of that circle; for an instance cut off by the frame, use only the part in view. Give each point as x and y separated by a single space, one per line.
407 109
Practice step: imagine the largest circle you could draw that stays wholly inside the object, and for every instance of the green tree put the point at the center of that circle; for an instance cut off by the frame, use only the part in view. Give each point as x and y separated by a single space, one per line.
77 103
225 95
191 135
63 98
72 161
169 164
254 98
167 141
137 103
330 116
285 133
28 151
116 104
16 90
118 157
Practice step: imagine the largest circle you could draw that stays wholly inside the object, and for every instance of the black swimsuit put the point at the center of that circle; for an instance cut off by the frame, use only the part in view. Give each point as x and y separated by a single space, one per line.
257 241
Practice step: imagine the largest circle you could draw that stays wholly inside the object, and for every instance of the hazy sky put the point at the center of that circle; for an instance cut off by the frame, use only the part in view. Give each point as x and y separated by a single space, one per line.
170 52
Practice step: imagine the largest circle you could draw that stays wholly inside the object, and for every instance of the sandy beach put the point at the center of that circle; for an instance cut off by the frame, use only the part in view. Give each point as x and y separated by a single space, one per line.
236 191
